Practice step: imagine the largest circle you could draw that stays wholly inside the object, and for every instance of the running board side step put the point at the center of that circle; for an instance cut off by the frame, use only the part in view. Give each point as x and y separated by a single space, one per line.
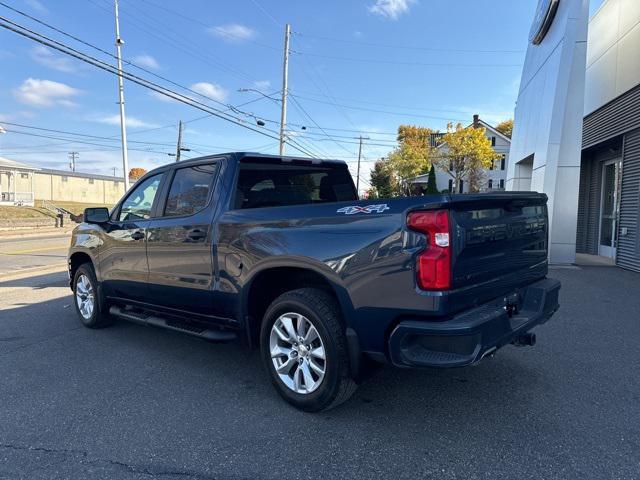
146 319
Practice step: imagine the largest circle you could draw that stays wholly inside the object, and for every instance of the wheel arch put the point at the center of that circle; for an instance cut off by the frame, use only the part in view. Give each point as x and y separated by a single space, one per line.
271 281
75 260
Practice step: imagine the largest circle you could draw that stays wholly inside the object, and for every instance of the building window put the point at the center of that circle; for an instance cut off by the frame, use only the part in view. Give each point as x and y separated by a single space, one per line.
91 181
503 161
460 190
491 166
493 141
502 183
450 185
490 184
24 175
65 179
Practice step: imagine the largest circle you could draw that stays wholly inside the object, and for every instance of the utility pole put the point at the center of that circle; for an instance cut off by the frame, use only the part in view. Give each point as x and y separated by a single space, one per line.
114 171
72 164
359 157
123 123
285 87
179 145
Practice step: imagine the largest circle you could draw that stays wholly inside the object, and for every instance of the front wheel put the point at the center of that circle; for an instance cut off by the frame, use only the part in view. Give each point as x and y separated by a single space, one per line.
304 348
87 299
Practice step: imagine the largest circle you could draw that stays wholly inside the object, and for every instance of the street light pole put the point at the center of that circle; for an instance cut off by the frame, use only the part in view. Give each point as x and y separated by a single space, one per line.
285 87
123 122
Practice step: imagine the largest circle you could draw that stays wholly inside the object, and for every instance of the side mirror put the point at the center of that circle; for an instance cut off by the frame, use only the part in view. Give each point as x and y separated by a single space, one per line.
96 215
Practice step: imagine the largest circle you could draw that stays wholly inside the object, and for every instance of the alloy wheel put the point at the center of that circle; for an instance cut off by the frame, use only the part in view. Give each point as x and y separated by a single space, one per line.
297 353
85 297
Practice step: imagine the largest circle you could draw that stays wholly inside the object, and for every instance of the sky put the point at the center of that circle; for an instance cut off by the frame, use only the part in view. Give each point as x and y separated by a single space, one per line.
357 67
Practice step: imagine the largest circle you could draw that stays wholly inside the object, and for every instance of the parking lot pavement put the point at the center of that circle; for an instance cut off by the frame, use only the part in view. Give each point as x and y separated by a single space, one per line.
137 403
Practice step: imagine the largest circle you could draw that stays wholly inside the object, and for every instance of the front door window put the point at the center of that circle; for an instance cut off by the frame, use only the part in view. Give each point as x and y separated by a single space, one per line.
610 208
137 206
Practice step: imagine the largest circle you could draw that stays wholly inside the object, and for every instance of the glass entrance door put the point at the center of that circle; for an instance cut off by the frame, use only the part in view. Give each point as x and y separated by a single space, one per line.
610 208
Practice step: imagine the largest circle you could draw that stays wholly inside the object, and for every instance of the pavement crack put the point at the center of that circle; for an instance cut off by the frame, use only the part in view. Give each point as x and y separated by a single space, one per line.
149 470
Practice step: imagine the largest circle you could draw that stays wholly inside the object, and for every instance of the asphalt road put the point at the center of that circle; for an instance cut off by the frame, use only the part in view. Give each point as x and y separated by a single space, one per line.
20 254
130 402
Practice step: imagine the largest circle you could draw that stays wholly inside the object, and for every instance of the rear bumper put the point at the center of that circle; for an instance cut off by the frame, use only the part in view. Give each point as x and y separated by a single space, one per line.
469 336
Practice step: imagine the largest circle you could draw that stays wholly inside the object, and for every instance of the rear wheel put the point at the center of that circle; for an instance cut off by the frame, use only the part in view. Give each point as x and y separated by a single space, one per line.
304 349
88 300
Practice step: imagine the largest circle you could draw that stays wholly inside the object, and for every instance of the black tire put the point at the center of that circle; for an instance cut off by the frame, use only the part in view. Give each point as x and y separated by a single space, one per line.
323 312
99 317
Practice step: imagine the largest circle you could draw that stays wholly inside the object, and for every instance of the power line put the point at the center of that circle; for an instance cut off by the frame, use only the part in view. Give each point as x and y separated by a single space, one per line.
388 112
266 13
183 45
44 40
408 63
208 26
128 62
76 141
408 47
407 107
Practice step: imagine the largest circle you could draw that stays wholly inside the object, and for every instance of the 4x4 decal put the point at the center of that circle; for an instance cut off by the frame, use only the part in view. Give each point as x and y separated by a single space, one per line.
353 209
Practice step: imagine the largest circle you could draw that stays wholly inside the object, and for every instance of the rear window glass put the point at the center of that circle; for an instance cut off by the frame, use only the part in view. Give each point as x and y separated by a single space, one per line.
276 185
189 191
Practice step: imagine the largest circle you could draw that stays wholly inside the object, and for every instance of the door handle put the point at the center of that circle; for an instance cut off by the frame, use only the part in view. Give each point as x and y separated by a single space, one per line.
137 235
196 234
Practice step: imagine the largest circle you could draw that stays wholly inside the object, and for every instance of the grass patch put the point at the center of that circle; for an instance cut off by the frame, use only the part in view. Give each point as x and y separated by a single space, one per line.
12 213
76 208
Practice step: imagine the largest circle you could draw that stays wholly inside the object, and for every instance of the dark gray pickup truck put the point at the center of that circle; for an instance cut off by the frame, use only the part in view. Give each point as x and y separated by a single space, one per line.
280 254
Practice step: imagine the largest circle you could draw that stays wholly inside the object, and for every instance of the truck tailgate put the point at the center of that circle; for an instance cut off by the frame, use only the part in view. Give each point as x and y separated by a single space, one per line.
498 239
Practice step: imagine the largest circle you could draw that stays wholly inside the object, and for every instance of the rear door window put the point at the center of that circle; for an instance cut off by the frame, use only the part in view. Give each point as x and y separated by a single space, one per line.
190 190
276 185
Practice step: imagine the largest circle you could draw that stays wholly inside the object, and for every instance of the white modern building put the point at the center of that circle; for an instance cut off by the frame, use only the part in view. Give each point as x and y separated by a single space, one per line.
577 128
494 177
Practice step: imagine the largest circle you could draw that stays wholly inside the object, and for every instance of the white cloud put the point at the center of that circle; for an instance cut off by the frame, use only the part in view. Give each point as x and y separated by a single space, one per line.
233 32
132 122
392 9
210 90
262 85
46 57
37 6
146 61
45 93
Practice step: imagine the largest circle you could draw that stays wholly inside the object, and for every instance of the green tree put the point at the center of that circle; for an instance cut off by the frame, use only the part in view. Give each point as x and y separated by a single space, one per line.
464 154
432 186
506 127
412 157
382 180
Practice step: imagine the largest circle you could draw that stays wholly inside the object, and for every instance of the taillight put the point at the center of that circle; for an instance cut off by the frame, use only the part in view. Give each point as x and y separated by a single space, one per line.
434 263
